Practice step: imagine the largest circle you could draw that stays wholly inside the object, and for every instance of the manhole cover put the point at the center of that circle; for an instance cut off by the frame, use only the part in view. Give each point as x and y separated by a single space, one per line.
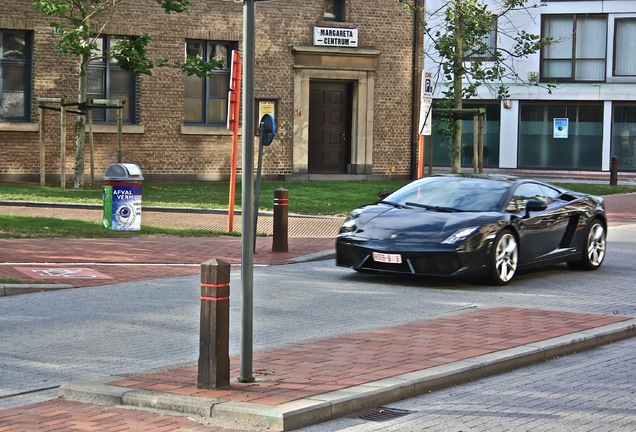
384 414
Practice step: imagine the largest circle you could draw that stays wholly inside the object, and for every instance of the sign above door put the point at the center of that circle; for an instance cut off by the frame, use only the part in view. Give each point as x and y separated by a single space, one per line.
337 37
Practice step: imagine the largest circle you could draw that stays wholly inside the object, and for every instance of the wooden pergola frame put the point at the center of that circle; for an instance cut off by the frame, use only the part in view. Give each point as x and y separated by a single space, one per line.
479 116
60 105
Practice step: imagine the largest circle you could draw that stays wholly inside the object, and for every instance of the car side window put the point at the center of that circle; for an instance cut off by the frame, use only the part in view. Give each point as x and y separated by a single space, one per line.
528 191
550 194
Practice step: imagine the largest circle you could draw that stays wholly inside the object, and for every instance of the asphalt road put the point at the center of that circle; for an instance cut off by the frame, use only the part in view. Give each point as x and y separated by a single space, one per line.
48 339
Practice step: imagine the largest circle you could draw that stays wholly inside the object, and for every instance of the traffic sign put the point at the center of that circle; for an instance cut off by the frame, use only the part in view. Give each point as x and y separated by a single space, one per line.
426 103
267 129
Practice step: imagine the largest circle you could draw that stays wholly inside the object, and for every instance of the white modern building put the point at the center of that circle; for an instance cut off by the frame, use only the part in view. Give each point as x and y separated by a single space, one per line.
588 118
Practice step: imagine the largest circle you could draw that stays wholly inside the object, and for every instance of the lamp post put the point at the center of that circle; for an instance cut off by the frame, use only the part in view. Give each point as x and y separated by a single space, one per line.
247 195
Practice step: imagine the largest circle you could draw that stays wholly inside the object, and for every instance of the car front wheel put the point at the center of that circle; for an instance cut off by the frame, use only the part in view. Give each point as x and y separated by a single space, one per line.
594 248
504 259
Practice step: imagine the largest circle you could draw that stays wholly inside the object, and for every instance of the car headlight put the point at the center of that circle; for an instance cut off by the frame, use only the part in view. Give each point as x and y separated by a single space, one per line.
461 234
349 224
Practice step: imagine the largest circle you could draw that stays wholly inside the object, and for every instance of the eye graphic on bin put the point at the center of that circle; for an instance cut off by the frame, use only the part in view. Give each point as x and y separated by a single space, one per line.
125 215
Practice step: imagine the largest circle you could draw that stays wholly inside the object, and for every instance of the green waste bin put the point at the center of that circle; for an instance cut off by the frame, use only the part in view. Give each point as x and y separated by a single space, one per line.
122 197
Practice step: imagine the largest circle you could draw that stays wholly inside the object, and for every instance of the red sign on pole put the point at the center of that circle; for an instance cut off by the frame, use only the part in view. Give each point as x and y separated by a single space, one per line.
233 112
234 95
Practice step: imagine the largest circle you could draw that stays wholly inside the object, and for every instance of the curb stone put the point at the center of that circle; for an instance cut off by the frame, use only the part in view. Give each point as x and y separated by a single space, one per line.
340 403
15 289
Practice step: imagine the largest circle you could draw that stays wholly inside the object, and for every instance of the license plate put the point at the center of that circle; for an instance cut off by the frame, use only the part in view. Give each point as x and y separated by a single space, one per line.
387 258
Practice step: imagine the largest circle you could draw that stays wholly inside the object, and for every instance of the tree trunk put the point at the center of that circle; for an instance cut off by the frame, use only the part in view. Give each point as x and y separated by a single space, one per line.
456 146
81 124
81 99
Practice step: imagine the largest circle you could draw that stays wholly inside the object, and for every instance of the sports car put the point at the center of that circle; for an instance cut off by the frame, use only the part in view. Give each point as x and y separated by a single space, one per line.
482 226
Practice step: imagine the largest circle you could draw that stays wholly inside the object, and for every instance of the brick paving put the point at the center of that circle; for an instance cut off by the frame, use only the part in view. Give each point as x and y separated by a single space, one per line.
306 370
67 416
621 208
154 257
135 259
302 371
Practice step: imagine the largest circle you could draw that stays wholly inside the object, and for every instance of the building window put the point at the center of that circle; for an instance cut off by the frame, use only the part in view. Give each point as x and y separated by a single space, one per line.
624 135
106 80
334 10
484 48
206 98
578 52
625 47
540 147
15 75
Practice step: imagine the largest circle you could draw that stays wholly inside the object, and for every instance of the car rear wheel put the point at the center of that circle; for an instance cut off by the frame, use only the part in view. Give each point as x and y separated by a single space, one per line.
593 252
504 258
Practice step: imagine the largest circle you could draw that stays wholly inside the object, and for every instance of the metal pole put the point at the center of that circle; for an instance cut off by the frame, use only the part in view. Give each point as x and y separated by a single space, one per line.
247 195
257 193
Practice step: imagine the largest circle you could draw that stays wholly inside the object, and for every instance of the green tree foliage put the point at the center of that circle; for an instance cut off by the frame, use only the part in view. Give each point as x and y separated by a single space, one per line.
458 32
77 21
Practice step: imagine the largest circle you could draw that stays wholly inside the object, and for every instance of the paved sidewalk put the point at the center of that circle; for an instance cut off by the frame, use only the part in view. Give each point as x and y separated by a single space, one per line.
315 382
71 263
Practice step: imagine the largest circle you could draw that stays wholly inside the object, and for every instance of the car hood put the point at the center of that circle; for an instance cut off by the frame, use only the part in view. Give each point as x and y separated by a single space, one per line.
384 222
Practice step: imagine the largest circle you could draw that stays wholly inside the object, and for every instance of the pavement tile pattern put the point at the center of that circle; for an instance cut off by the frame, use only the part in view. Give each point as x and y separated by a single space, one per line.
135 259
306 370
67 416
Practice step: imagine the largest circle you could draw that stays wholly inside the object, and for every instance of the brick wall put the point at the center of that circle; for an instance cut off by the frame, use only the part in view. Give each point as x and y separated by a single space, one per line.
162 149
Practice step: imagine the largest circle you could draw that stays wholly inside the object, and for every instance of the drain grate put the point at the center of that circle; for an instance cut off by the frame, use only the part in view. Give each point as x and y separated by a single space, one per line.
384 414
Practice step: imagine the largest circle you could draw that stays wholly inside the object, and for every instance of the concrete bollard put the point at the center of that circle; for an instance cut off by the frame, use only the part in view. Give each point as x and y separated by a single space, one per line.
614 171
214 359
280 228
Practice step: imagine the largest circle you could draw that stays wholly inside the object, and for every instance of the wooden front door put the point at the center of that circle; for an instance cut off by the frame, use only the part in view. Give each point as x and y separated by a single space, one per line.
329 127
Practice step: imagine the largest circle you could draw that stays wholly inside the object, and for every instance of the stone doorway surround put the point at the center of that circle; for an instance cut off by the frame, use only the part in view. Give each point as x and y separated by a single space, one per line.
354 65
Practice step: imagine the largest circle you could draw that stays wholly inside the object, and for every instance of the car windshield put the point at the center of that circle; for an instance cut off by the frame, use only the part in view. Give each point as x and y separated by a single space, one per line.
450 194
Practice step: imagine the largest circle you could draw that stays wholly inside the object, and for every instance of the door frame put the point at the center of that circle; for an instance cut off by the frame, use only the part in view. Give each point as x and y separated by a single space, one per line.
326 64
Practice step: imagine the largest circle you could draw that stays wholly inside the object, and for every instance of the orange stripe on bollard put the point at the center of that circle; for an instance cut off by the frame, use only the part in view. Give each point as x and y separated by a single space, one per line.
215 298
207 285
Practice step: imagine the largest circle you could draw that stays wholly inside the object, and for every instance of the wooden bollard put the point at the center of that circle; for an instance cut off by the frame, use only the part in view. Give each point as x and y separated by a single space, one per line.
281 201
614 171
214 359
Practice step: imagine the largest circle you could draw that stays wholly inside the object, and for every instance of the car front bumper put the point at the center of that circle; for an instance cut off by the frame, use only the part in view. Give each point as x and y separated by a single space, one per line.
431 260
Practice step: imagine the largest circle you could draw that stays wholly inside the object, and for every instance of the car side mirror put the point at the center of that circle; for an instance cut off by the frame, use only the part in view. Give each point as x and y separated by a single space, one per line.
384 193
534 205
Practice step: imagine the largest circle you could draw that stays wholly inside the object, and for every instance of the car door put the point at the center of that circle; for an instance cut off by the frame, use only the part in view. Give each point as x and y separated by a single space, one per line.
541 231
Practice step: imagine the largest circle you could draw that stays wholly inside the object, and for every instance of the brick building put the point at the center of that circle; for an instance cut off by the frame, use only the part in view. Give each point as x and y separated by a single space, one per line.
341 75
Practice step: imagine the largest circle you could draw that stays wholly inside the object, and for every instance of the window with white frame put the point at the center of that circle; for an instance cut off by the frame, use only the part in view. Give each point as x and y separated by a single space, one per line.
15 75
484 48
106 80
206 99
625 47
578 51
